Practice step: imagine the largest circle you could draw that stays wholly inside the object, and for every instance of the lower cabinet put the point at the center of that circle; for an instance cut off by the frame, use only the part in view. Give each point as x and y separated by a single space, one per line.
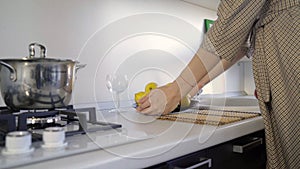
247 152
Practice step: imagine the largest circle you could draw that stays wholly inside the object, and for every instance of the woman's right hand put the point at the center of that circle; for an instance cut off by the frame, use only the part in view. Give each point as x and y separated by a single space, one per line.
162 100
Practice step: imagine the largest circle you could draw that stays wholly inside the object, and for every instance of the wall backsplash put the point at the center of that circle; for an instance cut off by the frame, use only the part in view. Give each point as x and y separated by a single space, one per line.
147 40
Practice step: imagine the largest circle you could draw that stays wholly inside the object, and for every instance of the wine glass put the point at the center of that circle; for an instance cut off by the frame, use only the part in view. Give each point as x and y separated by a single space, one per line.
116 84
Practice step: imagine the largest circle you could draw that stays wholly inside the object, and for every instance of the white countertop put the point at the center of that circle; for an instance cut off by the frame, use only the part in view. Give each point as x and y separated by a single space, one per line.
161 141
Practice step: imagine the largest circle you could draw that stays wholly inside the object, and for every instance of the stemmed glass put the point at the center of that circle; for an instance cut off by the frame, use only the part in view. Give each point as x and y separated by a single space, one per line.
116 84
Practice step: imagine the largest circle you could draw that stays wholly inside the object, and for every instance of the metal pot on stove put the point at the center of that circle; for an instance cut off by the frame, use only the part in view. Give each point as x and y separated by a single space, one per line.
37 82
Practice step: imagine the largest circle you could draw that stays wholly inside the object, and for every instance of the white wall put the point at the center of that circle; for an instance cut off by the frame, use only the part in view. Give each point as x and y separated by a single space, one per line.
249 85
147 40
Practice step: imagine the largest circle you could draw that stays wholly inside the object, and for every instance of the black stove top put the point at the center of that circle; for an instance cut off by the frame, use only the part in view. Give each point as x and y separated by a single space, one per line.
31 120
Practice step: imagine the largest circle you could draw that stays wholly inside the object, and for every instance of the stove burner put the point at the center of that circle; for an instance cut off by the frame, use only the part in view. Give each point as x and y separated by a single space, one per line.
42 125
36 118
45 120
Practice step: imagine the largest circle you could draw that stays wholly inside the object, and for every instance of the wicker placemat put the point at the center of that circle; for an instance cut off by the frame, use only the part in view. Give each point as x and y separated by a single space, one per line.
210 117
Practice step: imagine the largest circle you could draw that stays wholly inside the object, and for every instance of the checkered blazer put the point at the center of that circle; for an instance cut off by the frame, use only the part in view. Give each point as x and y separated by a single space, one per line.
274 30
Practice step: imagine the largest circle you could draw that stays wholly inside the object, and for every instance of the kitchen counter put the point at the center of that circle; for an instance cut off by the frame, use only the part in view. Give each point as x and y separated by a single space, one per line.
156 141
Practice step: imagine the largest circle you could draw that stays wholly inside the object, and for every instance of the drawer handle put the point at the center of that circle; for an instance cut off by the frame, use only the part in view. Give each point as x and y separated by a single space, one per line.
203 161
256 141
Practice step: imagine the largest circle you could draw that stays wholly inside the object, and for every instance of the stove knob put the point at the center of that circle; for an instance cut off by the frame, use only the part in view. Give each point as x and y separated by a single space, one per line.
54 137
17 142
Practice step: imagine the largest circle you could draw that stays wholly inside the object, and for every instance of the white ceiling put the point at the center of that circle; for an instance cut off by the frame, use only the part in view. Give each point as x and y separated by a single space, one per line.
210 4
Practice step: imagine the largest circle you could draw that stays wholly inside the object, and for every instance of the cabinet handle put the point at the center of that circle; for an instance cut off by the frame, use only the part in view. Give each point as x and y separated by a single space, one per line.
203 161
255 141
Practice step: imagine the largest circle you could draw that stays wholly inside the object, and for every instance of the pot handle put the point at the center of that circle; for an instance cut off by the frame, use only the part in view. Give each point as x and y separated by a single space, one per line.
13 72
80 66
32 50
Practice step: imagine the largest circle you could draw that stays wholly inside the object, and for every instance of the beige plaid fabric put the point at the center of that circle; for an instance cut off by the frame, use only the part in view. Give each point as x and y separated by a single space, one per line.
275 29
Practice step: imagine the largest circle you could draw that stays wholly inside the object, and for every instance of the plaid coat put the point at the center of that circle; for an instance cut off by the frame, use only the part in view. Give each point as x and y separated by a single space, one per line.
274 28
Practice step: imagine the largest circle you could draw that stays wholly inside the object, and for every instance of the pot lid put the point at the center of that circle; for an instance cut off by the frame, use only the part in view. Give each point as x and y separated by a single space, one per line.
46 60
42 58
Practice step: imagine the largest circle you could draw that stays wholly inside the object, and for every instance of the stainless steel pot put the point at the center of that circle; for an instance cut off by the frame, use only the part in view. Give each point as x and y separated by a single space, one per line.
37 83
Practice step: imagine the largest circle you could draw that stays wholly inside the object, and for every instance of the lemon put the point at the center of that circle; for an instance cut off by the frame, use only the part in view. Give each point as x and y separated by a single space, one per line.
138 96
185 102
150 86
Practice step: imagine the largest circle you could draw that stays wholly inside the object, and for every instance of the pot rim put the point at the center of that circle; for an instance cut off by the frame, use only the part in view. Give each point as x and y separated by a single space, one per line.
44 60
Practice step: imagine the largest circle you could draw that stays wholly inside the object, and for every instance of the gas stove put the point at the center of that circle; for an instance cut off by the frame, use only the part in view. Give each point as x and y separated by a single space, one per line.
30 136
74 121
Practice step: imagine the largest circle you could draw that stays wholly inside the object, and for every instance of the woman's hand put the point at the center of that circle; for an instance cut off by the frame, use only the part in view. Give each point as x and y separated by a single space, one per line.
162 100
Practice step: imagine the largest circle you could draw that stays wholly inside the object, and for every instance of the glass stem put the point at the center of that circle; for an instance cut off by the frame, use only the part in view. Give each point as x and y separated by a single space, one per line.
118 100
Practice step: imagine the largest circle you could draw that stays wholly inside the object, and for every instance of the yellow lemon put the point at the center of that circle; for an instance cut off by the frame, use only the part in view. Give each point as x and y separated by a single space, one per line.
150 86
138 96
185 102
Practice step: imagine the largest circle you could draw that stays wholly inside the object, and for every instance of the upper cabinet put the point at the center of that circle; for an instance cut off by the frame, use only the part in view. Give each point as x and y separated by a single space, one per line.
209 4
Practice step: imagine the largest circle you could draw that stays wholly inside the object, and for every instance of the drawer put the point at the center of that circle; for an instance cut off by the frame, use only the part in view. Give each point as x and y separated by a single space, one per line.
247 152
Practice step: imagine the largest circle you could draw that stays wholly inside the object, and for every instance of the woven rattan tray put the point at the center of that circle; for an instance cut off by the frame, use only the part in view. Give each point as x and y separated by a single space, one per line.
210 117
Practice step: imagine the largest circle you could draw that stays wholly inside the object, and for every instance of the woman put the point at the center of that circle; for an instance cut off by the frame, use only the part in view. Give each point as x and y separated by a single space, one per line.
274 28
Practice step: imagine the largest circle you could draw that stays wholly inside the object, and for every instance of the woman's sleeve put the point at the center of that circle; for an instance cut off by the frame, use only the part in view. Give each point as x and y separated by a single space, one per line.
231 30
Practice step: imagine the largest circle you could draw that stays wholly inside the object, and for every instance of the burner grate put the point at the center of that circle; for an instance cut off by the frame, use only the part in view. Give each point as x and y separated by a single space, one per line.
7 122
